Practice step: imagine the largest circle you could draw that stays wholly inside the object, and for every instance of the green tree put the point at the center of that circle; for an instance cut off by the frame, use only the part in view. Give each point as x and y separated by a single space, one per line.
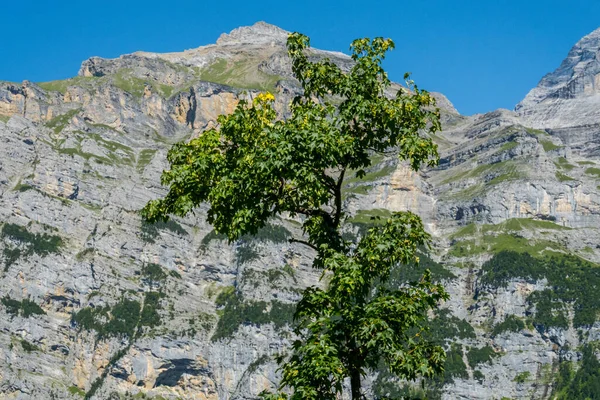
582 385
254 166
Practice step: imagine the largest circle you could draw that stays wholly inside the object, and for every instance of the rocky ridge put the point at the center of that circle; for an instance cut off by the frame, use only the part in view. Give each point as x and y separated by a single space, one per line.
97 304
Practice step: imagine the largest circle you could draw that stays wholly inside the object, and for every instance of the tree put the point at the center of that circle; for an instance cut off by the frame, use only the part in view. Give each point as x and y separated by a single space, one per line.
254 166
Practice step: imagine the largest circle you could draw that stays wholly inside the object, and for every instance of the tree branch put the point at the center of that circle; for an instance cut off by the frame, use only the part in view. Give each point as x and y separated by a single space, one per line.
338 199
304 242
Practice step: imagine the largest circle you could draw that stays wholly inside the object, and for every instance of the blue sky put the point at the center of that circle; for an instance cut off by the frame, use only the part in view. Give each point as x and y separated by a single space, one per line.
482 54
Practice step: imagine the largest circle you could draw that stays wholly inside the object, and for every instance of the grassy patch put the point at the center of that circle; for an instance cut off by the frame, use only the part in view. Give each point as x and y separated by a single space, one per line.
118 153
23 187
371 176
536 132
144 158
202 322
128 83
58 123
358 189
110 145
485 176
62 85
478 239
588 250
549 146
593 171
564 164
509 146
75 391
82 255
510 225
522 377
501 242
242 74
586 163
366 219
562 177
174 274
76 151
271 276
4 118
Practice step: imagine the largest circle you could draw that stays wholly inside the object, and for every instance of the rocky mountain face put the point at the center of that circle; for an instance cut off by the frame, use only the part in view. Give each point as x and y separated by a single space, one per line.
97 304
569 97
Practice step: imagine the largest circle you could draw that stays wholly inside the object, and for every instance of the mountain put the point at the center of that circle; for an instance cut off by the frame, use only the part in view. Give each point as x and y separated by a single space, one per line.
567 100
96 303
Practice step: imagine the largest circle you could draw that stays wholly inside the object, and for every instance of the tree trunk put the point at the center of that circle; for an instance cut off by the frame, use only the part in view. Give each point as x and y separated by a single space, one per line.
355 384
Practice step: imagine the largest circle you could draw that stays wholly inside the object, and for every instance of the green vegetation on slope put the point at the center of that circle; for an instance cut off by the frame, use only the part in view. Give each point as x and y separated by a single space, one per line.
511 323
28 347
27 243
581 385
564 164
513 224
549 146
593 171
144 158
481 355
242 74
153 273
25 307
62 85
572 282
58 123
476 239
486 176
235 311
118 320
401 274
562 177
128 83
117 154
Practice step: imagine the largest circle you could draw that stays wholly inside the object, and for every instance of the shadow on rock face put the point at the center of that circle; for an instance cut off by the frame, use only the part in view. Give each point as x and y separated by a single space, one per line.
176 368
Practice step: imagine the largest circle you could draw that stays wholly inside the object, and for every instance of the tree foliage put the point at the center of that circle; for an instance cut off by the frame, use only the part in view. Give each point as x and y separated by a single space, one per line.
255 165
583 384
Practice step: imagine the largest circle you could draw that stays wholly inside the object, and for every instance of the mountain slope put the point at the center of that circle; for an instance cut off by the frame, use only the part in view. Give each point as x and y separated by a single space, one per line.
96 303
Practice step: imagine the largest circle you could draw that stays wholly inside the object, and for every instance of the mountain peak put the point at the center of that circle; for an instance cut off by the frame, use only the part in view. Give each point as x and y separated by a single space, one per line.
259 33
575 82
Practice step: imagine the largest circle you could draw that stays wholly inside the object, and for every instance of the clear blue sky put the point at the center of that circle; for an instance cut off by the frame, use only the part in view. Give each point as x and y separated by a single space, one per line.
482 54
